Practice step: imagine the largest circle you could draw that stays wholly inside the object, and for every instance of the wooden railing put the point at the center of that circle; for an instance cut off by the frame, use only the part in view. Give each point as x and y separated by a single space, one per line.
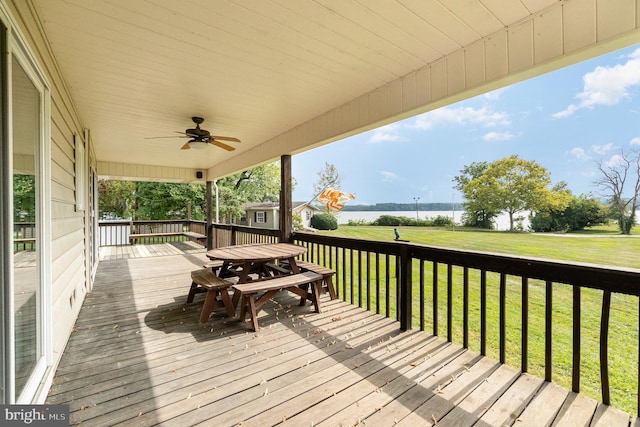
545 317
231 234
24 236
115 233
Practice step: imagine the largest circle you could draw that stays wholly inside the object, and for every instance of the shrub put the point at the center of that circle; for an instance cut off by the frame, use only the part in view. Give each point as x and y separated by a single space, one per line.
390 220
324 221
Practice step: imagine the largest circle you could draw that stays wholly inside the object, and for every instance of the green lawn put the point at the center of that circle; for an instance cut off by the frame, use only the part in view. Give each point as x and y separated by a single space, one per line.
603 245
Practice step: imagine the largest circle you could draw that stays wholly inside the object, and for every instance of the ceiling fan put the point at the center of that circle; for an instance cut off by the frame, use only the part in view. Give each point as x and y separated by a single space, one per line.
199 135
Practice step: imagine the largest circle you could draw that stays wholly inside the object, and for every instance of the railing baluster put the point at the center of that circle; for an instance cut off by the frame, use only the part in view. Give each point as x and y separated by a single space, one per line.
351 287
422 319
377 283
465 308
575 380
399 301
449 303
503 317
435 297
405 297
368 277
548 331
483 312
524 351
359 278
388 287
604 347
344 273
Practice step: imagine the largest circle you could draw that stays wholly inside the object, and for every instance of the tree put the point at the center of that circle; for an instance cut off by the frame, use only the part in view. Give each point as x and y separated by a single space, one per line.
116 199
260 184
513 185
161 200
327 177
475 215
158 200
582 211
620 181
24 198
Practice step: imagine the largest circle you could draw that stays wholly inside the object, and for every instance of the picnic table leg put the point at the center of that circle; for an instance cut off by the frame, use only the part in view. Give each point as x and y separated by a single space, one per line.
303 300
315 289
192 292
209 303
231 311
254 313
332 291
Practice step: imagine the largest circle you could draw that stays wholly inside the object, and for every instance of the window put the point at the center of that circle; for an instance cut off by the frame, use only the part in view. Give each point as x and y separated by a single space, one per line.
261 217
81 174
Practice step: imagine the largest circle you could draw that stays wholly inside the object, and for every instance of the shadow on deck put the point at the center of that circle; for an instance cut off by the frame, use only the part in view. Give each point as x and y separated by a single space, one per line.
139 356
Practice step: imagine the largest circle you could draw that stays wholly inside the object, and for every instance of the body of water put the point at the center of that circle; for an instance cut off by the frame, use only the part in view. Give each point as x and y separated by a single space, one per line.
502 221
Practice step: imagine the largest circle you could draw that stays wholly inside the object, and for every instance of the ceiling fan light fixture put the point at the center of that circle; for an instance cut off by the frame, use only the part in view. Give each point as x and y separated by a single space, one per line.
198 145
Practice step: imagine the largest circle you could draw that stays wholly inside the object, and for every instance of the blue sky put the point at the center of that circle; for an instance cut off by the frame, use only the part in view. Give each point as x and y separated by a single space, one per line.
567 121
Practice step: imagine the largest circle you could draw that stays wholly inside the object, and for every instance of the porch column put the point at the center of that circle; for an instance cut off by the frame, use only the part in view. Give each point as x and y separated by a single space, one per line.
209 229
286 205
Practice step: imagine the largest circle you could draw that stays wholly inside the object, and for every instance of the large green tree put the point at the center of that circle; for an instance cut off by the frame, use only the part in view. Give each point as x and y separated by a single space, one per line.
161 200
582 211
116 198
158 200
260 184
475 214
620 180
512 185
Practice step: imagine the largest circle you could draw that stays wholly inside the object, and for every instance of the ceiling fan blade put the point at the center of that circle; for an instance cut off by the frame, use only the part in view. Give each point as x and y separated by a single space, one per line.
225 138
162 137
186 146
222 145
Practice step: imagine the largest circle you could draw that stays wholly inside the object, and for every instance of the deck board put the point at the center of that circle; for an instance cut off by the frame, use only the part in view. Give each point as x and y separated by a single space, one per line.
139 356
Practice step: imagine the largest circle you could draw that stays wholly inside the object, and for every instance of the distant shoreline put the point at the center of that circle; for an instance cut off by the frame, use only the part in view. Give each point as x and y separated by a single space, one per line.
393 207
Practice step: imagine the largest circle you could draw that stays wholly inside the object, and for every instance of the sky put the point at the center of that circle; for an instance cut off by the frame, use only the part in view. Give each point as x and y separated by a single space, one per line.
567 121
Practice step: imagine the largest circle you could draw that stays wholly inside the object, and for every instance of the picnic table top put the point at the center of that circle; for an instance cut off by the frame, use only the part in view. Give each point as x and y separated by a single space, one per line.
256 252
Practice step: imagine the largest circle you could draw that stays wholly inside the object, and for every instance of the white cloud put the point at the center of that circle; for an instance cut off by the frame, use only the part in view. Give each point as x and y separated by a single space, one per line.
498 136
615 161
602 149
635 141
388 176
494 94
579 153
462 116
606 85
388 133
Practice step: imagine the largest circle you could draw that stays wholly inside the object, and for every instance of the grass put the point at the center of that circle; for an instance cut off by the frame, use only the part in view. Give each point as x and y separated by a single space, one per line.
603 245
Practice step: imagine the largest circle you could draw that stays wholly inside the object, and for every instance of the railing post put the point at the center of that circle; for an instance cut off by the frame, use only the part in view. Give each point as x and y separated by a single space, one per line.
405 272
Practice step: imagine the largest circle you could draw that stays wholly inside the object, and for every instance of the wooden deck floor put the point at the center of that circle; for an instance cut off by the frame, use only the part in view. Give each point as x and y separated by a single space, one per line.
138 356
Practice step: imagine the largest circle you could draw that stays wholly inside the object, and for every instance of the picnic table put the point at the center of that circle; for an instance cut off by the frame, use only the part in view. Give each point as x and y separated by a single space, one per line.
262 270
258 259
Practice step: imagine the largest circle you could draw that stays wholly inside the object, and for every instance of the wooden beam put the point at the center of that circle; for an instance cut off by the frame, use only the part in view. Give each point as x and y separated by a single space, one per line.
209 229
286 204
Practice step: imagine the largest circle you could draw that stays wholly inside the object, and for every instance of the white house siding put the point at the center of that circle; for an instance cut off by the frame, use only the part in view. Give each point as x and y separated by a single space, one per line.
68 273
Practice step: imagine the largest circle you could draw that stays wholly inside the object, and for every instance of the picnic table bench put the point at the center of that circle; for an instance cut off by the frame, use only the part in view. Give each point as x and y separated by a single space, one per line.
135 236
217 289
252 301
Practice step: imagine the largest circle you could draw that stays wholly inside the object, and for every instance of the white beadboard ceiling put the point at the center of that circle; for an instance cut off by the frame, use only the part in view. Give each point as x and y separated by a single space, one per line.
260 69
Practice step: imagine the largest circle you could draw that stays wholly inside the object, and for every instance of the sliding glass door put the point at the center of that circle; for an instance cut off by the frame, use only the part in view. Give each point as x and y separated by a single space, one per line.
27 287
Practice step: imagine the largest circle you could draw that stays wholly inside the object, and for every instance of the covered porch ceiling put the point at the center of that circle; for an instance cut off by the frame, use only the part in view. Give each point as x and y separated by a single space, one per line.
284 76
